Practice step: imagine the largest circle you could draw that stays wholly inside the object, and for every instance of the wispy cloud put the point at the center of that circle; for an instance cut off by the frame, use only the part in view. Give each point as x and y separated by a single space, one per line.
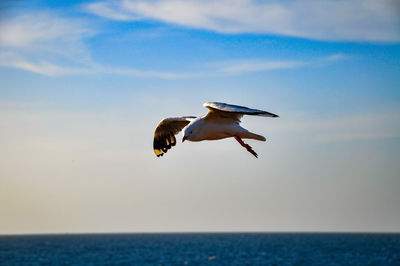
41 35
216 69
111 10
45 43
354 127
9 59
50 69
244 66
335 57
360 127
332 20
260 65
143 73
49 44
30 31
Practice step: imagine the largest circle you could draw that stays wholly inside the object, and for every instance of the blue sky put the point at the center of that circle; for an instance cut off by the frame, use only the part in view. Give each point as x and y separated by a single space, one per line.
84 83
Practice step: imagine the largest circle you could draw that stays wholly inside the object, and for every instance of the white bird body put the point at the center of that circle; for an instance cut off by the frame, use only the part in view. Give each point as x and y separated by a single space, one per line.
222 121
207 129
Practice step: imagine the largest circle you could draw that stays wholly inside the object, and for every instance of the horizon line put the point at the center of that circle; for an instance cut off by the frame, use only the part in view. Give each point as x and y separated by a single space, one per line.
203 232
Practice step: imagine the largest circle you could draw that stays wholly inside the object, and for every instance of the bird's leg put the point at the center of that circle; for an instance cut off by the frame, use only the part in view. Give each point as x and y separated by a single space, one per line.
247 146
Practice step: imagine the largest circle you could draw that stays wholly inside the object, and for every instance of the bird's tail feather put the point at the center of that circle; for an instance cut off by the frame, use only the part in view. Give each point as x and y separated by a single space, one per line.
250 135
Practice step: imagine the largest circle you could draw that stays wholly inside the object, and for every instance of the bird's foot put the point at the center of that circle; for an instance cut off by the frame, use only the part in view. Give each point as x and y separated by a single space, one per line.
246 146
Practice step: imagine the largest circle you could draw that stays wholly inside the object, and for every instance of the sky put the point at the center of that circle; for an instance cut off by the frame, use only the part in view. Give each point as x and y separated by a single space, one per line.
83 85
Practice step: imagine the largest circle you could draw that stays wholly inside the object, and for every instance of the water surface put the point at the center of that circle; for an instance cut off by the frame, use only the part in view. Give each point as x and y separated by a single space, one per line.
202 249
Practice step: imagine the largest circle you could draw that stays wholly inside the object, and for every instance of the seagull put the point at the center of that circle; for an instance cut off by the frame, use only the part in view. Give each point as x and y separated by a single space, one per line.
221 121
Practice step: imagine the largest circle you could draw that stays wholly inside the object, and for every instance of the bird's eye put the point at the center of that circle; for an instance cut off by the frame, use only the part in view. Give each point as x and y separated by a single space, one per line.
190 132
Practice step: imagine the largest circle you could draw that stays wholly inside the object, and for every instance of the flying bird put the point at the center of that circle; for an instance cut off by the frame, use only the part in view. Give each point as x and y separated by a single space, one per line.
222 121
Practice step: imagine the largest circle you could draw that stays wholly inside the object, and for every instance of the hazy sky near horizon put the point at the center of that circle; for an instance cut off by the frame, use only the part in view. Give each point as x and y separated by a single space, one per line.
84 83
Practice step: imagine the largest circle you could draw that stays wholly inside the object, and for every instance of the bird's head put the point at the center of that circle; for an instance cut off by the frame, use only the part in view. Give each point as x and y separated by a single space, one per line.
189 133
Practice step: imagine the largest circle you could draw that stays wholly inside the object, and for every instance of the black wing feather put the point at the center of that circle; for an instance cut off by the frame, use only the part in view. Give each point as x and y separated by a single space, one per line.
164 135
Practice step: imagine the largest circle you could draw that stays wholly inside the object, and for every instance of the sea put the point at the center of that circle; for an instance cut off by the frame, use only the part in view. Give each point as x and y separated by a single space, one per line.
202 249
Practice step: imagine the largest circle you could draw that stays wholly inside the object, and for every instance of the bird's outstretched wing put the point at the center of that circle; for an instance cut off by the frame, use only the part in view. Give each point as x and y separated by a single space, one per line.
224 110
164 135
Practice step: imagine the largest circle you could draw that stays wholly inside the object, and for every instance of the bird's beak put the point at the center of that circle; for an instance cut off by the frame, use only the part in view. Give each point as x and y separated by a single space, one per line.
183 139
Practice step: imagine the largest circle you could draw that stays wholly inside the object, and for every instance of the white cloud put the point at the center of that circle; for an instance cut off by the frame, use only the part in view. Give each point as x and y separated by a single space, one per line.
45 43
335 57
361 127
244 66
260 65
43 68
215 69
355 127
331 20
143 73
48 44
49 69
110 10
34 29
8 59
51 45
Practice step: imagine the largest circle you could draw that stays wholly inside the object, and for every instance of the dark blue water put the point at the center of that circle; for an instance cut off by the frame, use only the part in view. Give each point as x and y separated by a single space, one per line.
202 249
